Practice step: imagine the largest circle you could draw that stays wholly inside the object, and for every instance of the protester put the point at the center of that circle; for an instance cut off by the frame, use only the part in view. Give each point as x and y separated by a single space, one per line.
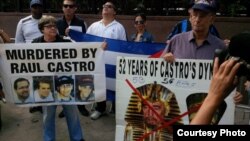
47 26
185 25
141 35
221 85
198 43
68 20
43 89
21 87
107 27
27 30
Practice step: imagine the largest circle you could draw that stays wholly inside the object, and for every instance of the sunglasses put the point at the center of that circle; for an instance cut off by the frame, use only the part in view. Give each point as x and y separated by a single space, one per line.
68 6
139 22
107 6
50 26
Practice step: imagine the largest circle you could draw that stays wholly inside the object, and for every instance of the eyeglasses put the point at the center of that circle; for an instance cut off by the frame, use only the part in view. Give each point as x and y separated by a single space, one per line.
107 6
139 22
50 26
68 6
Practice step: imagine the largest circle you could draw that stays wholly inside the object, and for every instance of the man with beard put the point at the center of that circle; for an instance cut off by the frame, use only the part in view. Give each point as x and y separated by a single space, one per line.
21 86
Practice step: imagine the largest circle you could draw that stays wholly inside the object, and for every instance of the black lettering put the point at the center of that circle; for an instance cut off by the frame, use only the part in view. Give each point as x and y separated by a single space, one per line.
193 70
59 67
186 70
51 67
129 66
122 65
146 68
200 71
93 52
83 66
152 68
176 69
181 70
14 68
67 67
56 54
30 54
133 67
49 55
85 53
39 54
91 66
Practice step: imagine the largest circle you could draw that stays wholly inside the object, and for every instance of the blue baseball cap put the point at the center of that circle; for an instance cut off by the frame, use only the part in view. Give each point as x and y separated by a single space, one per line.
206 5
36 2
64 80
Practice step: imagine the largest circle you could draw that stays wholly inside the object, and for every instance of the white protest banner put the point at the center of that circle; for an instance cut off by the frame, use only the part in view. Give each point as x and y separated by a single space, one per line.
152 95
53 73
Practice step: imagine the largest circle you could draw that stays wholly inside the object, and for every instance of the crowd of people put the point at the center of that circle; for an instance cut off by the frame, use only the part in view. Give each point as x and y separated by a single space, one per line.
193 38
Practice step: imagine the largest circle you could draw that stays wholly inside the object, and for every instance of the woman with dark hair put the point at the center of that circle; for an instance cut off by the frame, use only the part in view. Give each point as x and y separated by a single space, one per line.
47 26
141 35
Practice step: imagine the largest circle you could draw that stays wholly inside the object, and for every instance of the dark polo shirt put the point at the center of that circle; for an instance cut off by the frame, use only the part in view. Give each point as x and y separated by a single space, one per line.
183 46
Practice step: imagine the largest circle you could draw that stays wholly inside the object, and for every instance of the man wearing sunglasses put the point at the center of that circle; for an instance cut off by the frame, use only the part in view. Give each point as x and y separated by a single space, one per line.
70 20
107 27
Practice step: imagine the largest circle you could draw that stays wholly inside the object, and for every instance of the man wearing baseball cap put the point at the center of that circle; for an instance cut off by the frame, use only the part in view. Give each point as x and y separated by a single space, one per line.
27 27
206 5
27 30
185 25
198 43
36 2
85 87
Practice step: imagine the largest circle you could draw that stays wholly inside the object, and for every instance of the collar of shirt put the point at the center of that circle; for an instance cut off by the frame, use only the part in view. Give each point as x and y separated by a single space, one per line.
110 24
191 38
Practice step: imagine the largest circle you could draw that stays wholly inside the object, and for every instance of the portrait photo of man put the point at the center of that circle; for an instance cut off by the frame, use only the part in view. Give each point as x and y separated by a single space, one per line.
43 88
22 90
64 88
85 88
157 106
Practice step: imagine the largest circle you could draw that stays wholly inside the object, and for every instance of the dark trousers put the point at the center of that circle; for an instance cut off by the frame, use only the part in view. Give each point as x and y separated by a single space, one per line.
101 106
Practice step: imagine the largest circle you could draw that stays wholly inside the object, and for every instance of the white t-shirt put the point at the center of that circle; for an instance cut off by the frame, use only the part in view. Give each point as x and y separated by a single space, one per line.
27 30
114 30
